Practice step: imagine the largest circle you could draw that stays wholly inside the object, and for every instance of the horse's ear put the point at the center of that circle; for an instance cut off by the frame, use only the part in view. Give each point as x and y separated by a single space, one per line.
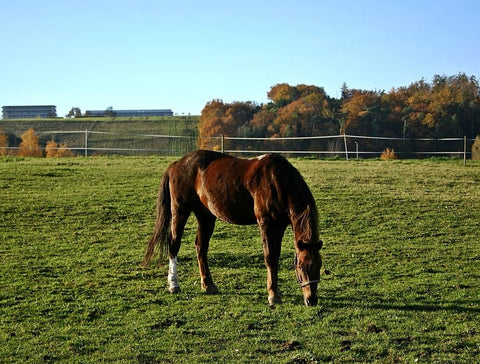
302 246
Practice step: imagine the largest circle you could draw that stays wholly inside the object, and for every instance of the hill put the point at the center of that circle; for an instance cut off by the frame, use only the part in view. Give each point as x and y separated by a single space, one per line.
111 133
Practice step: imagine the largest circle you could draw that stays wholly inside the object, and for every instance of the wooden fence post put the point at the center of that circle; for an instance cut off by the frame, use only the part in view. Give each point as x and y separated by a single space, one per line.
86 142
346 148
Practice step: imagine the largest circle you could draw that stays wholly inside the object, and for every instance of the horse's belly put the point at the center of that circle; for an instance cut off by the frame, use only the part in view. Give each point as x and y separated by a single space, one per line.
235 208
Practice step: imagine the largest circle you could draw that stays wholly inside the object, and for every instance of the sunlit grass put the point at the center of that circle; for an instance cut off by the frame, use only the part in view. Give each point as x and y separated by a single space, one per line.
400 238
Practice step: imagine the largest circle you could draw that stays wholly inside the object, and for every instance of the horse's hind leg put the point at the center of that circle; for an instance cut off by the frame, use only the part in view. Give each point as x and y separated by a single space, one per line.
179 219
206 224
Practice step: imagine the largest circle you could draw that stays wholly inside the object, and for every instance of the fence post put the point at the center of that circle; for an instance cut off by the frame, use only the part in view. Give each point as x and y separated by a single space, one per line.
346 148
464 150
86 142
223 143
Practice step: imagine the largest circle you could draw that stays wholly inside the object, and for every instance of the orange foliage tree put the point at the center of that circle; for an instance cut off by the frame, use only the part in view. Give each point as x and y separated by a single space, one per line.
219 118
29 146
3 143
211 124
445 107
53 150
302 110
281 94
364 113
476 149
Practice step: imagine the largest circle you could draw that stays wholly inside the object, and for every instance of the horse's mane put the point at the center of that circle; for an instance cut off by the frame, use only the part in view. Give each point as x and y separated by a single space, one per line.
307 223
302 206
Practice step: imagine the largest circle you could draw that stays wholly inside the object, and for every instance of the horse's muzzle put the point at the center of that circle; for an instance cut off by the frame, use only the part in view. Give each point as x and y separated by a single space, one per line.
309 292
311 301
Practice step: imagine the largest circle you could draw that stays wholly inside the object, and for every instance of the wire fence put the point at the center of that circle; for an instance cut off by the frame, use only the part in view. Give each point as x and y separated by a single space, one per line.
349 146
95 143
91 143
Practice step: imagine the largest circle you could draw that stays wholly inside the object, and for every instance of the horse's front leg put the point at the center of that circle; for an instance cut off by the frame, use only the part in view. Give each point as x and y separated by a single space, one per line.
272 235
271 262
206 224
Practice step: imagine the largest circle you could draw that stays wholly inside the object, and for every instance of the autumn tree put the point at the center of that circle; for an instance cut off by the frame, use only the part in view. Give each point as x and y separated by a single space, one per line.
417 119
3 143
53 150
445 107
29 146
259 125
454 106
210 124
365 113
448 107
281 94
219 118
476 148
302 110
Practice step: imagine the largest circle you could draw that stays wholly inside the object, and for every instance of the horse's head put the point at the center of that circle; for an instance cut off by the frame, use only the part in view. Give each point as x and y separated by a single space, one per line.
307 269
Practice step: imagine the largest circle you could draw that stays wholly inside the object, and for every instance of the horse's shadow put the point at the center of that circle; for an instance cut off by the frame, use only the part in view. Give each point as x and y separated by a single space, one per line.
227 260
230 260
328 298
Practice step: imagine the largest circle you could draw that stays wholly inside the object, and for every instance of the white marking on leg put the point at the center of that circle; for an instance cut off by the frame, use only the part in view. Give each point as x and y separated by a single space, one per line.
173 276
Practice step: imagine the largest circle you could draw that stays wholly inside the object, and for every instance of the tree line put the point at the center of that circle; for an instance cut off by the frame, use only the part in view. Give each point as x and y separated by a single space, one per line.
448 106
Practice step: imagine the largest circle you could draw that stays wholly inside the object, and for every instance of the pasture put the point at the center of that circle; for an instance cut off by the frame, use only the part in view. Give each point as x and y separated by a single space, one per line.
109 133
401 239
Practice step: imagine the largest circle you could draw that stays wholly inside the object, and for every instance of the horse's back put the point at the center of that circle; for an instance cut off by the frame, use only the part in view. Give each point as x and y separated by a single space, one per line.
220 186
236 190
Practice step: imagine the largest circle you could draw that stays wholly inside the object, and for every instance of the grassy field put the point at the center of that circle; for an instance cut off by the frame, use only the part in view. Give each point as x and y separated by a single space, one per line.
110 132
401 239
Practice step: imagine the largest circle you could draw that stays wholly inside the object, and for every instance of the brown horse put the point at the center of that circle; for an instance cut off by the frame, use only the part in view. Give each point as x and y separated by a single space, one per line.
266 190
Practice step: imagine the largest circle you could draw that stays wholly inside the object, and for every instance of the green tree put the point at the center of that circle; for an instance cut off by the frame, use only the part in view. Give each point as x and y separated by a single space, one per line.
74 112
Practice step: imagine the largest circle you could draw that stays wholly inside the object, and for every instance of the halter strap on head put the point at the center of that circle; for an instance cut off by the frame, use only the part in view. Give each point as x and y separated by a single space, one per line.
307 283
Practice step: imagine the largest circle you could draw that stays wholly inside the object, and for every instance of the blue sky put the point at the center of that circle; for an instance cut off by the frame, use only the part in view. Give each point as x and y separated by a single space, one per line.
182 54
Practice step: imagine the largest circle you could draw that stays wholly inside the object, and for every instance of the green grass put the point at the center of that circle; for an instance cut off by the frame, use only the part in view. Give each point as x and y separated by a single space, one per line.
401 239
111 133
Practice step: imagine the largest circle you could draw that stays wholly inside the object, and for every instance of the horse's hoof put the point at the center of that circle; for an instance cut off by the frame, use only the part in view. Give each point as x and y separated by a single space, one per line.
272 300
211 289
174 289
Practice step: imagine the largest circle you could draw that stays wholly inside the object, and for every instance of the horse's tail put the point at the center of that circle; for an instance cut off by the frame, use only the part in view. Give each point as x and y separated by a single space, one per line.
162 231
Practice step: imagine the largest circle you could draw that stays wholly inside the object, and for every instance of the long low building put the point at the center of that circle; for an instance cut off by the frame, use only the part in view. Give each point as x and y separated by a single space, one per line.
29 112
130 113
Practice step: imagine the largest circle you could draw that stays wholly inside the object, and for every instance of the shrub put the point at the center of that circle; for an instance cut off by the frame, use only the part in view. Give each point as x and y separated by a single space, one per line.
63 151
388 154
52 149
29 146
476 148
3 143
